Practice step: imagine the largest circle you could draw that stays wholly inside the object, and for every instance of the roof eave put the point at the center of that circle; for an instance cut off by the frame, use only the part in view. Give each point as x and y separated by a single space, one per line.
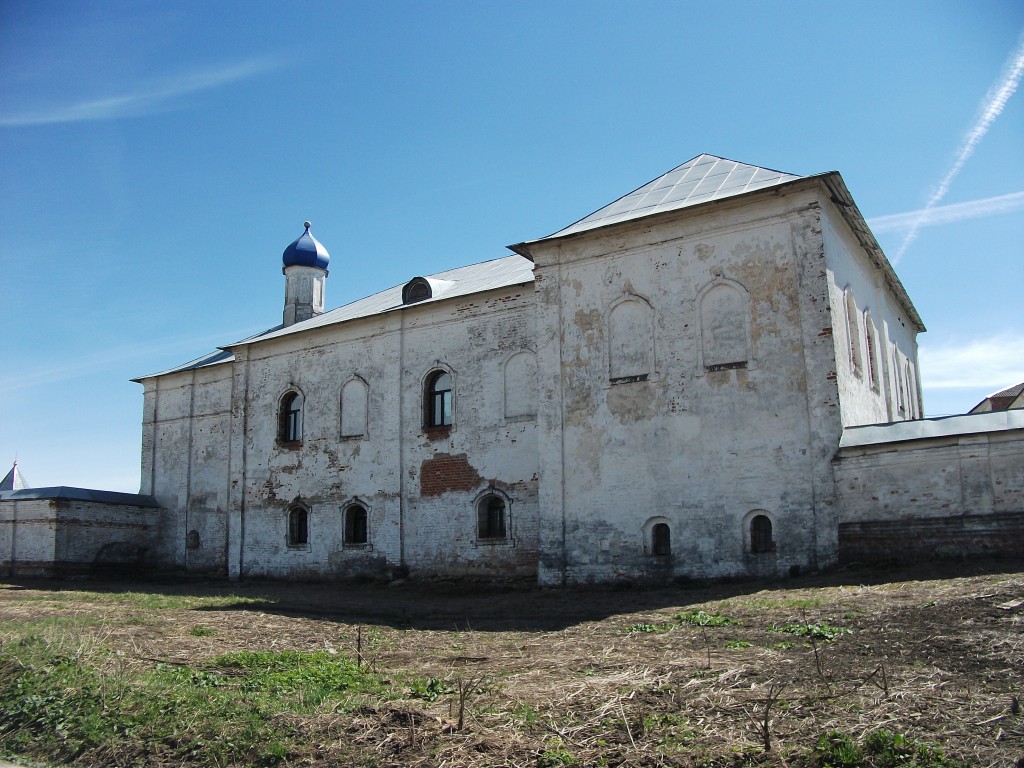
842 199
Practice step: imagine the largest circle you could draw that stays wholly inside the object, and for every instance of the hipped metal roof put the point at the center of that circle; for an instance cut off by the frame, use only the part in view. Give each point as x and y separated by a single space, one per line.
703 179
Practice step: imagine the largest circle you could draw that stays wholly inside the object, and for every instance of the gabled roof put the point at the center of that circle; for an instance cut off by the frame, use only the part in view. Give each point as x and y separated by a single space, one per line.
13 481
463 281
700 180
1003 400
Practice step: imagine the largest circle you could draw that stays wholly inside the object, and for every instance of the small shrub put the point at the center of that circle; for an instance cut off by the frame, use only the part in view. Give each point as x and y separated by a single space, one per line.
702 619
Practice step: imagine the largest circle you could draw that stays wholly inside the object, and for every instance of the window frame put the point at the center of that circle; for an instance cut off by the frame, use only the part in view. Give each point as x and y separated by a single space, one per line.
297 521
435 409
290 418
503 538
349 522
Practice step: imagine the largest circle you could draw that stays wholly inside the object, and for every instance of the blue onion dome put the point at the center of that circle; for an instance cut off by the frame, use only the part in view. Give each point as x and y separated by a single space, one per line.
306 252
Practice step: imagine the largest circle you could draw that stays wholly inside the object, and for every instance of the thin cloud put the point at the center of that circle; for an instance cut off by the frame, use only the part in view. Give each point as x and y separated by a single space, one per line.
74 368
991 108
946 214
990 364
152 97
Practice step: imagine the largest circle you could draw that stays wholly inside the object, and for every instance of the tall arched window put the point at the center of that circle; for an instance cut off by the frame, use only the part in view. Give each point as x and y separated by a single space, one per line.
298 526
290 426
661 540
761 534
490 513
438 400
356 525
630 345
353 408
724 326
853 332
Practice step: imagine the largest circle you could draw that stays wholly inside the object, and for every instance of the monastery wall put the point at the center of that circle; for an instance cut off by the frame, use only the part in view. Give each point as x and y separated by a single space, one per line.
46 537
951 494
700 422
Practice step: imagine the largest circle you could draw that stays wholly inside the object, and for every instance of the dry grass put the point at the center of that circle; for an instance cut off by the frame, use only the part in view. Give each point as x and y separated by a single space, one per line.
593 677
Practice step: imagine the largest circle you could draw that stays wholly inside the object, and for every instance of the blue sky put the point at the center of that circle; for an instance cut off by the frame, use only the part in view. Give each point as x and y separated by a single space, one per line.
157 158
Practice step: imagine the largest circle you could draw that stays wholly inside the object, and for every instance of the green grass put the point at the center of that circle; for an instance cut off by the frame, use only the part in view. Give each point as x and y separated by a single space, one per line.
61 700
881 748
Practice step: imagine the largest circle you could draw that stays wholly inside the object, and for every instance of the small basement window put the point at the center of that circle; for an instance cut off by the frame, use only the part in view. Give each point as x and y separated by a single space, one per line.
491 517
298 526
761 540
355 525
661 540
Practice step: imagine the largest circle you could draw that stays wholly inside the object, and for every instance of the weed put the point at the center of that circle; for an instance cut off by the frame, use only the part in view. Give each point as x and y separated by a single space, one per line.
634 629
702 619
737 644
552 758
200 631
527 714
837 750
429 688
822 631
894 750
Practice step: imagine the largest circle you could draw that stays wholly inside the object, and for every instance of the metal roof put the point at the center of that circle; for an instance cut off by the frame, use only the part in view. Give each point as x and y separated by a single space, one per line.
704 178
463 281
923 429
14 481
80 494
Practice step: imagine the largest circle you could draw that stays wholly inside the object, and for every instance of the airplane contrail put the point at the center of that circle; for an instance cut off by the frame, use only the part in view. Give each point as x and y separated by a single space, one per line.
991 107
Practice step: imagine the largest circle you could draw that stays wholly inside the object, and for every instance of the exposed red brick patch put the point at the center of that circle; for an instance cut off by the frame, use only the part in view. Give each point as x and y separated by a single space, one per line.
446 472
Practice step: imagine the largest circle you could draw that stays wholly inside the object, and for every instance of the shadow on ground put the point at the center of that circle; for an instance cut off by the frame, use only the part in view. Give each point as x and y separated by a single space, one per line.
455 605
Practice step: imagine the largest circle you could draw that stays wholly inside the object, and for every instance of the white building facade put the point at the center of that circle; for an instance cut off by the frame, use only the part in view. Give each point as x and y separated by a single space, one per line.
656 392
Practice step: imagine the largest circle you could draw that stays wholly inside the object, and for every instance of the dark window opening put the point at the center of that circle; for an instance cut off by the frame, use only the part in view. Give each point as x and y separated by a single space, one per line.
661 540
417 289
298 527
491 518
291 418
761 535
439 400
355 525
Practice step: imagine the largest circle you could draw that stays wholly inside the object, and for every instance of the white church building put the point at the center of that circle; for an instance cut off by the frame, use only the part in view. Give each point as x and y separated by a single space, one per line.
674 387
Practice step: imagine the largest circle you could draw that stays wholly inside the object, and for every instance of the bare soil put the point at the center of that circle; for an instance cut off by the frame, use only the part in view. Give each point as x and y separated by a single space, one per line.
610 676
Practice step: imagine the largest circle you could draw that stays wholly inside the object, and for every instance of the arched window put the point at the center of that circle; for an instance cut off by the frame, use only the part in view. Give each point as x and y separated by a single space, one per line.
490 513
661 540
853 332
355 525
869 338
521 386
298 526
353 408
438 400
290 426
630 346
761 535
724 326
